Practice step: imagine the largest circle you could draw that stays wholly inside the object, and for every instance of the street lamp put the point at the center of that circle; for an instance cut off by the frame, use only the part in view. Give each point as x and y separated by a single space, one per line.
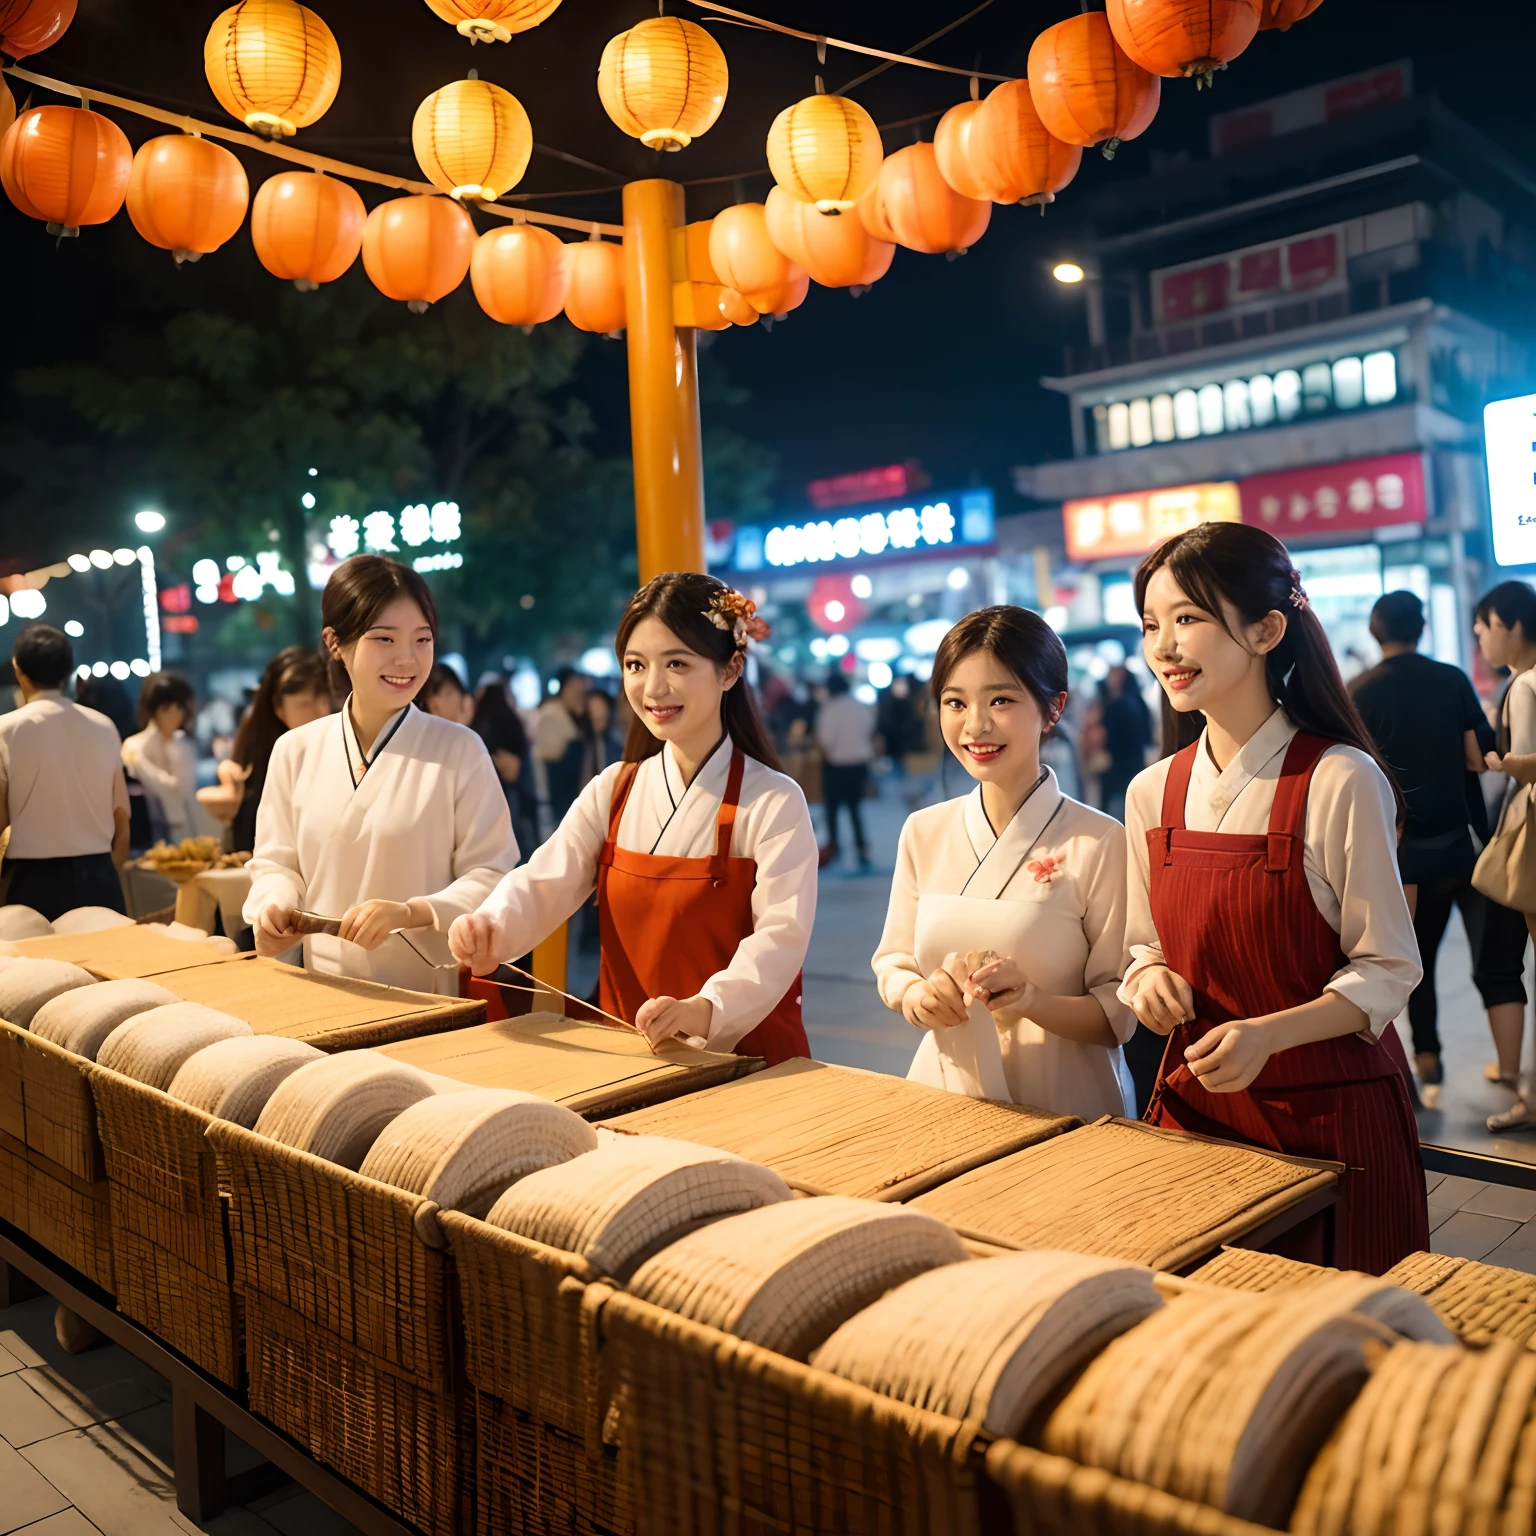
1067 272
148 521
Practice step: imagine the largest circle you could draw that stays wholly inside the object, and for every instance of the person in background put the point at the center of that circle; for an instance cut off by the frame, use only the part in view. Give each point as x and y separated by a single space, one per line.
446 696
1505 627
560 742
294 689
845 730
1127 726
607 744
107 696
1430 729
501 728
161 756
62 792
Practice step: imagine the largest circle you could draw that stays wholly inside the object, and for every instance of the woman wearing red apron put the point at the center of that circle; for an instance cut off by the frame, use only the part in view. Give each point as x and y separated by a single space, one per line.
1269 936
702 853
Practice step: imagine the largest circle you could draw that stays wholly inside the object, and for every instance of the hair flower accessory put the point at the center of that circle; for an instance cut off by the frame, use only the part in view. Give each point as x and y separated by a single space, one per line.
737 614
1299 597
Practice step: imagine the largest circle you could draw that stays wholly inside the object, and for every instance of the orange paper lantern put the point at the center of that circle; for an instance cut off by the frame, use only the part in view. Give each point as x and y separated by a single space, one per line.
743 255
186 195
955 150
779 301
837 253
493 21
1280 15
307 229
29 26
1185 38
736 308
871 213
1014 153
923 211
65 166
826 151
663 81
7 108
595 300
519 274
1086 89
417 249
274 65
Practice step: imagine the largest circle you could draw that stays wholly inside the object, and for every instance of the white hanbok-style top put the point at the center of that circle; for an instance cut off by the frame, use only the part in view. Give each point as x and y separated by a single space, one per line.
1349 854
422 815
1047 891
167 768
665 817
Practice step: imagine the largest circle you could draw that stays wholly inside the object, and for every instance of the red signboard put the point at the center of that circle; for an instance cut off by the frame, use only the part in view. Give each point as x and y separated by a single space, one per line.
1196 291
883 484
1338 498
1313 104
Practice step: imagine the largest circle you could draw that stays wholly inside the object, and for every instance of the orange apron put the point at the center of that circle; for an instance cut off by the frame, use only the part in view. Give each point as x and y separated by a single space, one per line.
669 924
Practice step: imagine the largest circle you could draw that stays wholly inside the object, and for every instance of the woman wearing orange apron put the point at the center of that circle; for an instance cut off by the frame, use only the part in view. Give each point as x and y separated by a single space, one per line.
1269 936
702 853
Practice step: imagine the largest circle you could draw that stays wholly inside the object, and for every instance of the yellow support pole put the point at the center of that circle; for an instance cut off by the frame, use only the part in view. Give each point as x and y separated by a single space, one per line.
549 967
663 385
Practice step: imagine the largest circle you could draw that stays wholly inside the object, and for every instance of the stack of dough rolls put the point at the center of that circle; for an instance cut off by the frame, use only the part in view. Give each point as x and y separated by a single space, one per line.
26 984
233 1079
151 1046
81 1019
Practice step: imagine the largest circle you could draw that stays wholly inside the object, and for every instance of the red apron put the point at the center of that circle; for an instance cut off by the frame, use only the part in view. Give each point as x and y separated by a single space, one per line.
669 924
1236 919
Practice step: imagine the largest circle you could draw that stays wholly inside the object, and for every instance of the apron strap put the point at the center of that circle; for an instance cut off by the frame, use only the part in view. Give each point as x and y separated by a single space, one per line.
726 824
1288 815
621 788
1176 787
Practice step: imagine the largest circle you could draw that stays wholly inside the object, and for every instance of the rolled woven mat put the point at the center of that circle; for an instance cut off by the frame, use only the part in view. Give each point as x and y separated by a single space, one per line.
463 1149
990 1339
1442 1440
1224 1397
81 1019
27 984
233 1079
632 1196
90 920
1480 1302
17 922
335 1108
787 1275
151 1046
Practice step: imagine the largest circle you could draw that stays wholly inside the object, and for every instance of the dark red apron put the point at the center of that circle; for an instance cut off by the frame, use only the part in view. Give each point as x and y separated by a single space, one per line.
1235 918
669 924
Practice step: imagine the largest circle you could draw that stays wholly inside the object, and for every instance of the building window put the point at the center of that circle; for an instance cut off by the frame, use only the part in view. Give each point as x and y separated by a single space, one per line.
1141 422
1287 394
1213 414
1380 378
1316 388
1261 399
1119 425
1186 413
1235 400
1162 418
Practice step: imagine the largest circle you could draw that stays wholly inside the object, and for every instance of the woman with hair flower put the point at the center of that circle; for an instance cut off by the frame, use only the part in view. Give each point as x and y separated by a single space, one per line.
702 853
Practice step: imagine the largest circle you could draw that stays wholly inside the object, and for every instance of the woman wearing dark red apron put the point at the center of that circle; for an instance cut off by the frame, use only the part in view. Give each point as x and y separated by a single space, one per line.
1269 936
702 853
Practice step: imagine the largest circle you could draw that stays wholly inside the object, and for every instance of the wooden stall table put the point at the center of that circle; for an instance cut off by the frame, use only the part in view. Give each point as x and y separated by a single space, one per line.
216 893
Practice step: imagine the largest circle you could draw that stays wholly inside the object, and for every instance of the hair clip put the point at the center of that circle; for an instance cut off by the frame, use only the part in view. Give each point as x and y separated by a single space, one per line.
1299 598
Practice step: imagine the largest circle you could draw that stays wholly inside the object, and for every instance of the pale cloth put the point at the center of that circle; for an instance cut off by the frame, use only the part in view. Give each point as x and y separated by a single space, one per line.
219 892
1350 857
663 816
845 730
167 768
428 819
1047 892
61 778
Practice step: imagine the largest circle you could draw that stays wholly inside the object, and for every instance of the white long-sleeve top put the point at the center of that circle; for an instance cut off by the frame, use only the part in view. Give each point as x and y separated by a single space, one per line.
167 767
666 817
427 818
1350 857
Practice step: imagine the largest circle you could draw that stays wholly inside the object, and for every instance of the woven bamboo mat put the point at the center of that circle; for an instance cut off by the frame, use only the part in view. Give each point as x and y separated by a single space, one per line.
1479 1302
1128 1190
836 1131
1246 1269
136 951
591 1068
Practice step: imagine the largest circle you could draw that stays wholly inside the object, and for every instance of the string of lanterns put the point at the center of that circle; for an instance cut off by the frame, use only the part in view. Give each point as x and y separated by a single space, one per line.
837 211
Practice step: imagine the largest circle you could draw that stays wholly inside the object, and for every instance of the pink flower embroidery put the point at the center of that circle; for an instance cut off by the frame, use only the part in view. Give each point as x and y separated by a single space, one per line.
1046 868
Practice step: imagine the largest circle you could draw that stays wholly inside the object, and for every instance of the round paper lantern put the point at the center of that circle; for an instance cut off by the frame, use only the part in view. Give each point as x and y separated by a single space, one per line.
871 213
7 108
307 228
473 140
955 152
273 64
417 248
1281 15
742 253
736 308
1086 89
519 274
826 151
595 300
923 211
787 296
29 26
66 166
1014 153
663 81
493 21
837 253
1183 37
186 195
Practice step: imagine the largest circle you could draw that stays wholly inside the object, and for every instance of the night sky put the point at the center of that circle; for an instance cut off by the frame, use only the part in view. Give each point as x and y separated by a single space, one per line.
939 361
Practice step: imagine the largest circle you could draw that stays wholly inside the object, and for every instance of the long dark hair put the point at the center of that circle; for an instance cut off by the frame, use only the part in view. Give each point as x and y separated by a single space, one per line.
683 601
1020 640
1251 569
358 591
161 688
295 669
496 722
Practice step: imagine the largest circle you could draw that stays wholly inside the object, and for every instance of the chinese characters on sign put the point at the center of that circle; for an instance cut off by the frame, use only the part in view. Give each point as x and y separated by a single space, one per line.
1338 498
1255 275
438 524
1131 524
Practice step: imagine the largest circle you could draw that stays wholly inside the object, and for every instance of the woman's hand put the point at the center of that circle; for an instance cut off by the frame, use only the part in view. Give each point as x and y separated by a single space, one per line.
369 923
1162 999
937 1001
471 938
274 930
996 981
660 1018
1226 1059
1495 762
232 773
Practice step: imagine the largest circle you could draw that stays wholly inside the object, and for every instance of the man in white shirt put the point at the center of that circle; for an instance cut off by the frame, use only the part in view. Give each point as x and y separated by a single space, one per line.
561 743
845 729
62 791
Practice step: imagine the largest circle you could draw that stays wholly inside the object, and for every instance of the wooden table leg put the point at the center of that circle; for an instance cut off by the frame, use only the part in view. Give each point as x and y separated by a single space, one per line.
199 1458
